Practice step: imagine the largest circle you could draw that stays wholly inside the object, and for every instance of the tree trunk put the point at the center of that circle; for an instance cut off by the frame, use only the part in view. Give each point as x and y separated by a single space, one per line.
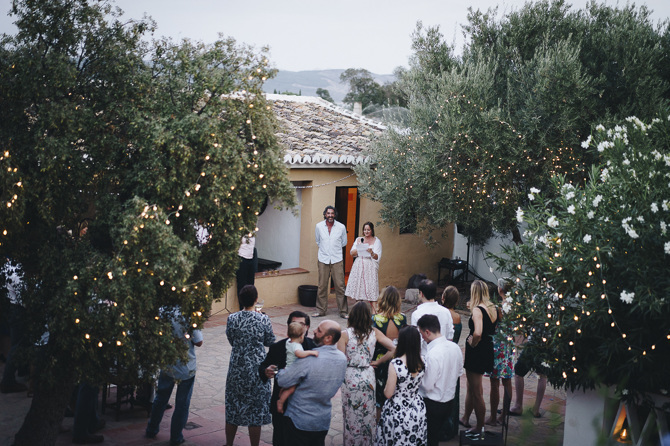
42 423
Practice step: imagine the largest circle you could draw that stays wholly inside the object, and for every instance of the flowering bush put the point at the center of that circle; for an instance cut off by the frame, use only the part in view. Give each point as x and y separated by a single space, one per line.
593 277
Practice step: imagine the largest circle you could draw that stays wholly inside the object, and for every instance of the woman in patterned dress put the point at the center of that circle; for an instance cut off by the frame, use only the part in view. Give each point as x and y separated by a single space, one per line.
247 397
358 391
503 362
403 420
389 321
363 282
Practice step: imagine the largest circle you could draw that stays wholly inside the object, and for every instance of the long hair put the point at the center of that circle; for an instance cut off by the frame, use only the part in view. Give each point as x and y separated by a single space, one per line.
479 294
409 344
372 228
389 302
359 319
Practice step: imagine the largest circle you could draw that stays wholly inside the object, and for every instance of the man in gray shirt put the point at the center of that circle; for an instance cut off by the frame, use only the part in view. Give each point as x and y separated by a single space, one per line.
318 380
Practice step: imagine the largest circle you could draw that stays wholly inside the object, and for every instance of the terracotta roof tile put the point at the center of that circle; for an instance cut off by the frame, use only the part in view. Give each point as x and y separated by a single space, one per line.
315 132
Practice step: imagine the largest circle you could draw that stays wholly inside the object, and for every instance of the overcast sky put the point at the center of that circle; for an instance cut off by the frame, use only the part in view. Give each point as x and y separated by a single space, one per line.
318 34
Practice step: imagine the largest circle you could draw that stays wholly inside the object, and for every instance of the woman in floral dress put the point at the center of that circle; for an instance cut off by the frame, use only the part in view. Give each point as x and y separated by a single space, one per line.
363 281
503 360
389 321
403 420
358 391
247 397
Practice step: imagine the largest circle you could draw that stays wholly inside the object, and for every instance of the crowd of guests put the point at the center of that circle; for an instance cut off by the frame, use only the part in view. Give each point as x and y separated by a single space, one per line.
399 379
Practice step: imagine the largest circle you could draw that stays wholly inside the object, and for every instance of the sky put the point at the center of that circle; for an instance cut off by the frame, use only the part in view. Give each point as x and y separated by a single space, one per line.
318 34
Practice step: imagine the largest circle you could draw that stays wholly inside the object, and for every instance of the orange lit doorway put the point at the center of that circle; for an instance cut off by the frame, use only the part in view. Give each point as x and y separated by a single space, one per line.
347 202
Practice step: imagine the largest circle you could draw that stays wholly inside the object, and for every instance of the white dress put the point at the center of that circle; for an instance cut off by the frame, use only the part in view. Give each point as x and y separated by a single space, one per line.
363 282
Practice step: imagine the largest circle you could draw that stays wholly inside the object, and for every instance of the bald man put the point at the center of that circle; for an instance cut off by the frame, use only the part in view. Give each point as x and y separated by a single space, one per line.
318 379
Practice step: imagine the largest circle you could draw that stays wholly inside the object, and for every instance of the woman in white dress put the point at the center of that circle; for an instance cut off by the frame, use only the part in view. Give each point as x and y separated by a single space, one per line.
363 282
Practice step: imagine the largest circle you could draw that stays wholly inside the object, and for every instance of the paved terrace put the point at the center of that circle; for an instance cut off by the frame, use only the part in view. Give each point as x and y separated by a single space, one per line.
207 419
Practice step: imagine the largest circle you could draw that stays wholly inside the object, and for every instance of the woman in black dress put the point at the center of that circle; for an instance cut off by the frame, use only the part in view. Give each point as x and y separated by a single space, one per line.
479 352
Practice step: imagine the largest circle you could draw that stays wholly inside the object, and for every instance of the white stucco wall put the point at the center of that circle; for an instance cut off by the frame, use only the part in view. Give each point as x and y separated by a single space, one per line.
478 262
278 236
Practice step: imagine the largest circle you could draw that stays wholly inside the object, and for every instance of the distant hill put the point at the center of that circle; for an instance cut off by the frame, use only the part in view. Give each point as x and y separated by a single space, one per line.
308 81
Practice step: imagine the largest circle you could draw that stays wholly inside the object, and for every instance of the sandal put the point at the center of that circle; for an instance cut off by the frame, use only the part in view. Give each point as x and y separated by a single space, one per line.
474 435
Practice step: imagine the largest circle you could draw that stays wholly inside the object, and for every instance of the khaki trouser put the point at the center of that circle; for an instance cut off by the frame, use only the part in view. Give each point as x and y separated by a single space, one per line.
336 271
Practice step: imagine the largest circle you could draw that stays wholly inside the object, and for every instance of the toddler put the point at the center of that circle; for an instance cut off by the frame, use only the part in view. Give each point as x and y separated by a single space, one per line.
294 350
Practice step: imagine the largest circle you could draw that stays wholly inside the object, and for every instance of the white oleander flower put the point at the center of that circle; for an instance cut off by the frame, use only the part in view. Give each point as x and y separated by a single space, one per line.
506 307
587 238
519 215
604 175
654 208
630 231
667 247
601 128
627 297
585 144
591 214
534 190
571 209
597 200
531 197
552 222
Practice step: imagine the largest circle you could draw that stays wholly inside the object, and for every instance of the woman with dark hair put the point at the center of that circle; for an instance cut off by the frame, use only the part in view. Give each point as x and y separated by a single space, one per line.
389 321
247 397
478 353
363 279
403 420
358 391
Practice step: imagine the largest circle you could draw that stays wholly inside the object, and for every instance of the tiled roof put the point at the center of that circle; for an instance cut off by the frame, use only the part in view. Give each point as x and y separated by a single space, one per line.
316 133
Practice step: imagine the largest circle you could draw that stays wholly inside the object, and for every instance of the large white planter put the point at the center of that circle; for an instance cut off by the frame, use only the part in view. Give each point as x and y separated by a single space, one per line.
593 413
583 417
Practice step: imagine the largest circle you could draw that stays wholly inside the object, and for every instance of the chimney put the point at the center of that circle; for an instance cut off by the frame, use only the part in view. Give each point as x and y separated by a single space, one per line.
358 108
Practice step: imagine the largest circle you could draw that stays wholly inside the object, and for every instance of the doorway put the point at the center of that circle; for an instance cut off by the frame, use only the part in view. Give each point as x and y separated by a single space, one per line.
347 202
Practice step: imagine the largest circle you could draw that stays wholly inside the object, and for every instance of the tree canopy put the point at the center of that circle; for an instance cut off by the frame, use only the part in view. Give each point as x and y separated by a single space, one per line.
511 111
152 146
591 282
365 89
324 94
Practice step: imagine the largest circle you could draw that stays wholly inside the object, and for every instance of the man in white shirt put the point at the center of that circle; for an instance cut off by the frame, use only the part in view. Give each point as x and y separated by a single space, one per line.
331 237
427 293
444 364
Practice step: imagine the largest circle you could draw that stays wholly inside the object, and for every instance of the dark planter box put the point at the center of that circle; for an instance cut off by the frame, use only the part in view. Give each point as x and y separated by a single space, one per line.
307 295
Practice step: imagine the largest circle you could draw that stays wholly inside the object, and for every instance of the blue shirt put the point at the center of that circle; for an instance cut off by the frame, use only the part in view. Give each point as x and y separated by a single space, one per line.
181 371
330 243
318 380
